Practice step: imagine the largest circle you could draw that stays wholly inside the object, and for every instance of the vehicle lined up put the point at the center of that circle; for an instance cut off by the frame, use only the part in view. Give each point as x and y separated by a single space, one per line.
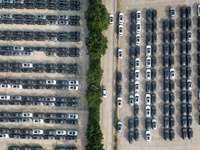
38 68
169 76
29 19
39 84
49 51
151 63
21 84
61 5
38 134
38 100
186 72
9 35
52 118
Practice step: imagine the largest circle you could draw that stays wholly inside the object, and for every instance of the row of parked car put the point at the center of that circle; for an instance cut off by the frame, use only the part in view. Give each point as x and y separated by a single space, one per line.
39 36
169 76
43 49
40 4
41 22
38 148
39 17
186 82
50 121
39 137
24 148
37 131
38 115
39 103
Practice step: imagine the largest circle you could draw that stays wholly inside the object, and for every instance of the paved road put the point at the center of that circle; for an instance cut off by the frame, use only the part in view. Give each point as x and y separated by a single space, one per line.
107 109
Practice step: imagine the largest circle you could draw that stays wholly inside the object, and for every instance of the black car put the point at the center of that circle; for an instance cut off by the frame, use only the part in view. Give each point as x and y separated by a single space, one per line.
165 25
119 76
183 36
184 133
148 15
29 6
166 97
154 26
183 12
171 37
188 24
28 38
171 98
165 37
188 47
153 111
148 27
136 134
148 87
131 87
148 123
166 134
154 38
190 133
188 11
171 122
29 22
25 103
154 14
148 39
131 76
130 136
183 60
166 122
136 110
172 25
183 24
153 74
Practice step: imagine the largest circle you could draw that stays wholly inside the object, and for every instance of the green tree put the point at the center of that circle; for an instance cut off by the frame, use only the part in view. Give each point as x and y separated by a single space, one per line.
94 135
94 75
93 95
97 17
96 44
95 2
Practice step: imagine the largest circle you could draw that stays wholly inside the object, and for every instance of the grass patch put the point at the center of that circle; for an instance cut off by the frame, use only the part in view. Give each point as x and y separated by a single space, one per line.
116 119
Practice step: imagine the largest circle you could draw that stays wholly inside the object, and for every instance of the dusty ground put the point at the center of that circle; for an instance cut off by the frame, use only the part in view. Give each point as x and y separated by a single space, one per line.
82 109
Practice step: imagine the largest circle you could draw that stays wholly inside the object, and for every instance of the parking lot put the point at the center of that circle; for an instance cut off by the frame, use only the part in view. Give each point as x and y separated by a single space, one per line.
41 57
127 111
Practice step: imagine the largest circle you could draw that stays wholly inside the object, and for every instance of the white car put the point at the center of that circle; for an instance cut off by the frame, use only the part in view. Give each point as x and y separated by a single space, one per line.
172 73
121 18
16 86
138 39
148 74
50 81
148 50
72 132
138 27
73 82
119 126
148 111
3 135
137 98
148 99
131 97
5 86
138 16
27 53
27 65
120 56
120 30
154 124
73 87
137 85
61 132
189 84
53 99
119 102
148 62
137 74
18 48
37 131
4 97
148 136
24 114
198 10
111 20
137 63
38 120
104 92
72 116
